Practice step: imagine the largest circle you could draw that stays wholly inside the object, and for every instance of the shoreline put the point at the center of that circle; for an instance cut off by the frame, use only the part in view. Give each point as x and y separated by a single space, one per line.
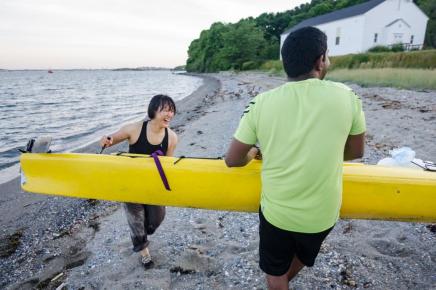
90 145
197 249
112 104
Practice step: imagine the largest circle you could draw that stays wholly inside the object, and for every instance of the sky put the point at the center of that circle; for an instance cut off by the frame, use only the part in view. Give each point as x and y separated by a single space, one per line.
71 34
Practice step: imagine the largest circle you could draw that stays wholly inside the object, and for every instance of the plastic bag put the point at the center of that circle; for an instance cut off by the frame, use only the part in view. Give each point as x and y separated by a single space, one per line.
400 157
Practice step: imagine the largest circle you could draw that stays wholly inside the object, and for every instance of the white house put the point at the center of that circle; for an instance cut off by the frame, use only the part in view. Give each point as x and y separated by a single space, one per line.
377 22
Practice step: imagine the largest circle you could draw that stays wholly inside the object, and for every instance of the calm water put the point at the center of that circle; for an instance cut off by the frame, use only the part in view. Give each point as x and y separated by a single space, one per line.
76 107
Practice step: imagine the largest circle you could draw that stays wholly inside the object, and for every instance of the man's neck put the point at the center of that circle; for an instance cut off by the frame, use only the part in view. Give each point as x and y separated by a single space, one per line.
311 75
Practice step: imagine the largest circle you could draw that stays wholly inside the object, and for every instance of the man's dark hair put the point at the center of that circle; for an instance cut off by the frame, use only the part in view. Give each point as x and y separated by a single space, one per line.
158 103
301 49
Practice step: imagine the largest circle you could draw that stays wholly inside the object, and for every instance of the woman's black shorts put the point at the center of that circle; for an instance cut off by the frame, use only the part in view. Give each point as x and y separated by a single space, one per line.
278 247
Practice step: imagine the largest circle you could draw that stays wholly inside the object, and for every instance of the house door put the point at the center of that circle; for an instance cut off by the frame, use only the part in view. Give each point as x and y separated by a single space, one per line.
398 37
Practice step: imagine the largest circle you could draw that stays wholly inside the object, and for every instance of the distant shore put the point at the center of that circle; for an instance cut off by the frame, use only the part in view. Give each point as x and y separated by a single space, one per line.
141 69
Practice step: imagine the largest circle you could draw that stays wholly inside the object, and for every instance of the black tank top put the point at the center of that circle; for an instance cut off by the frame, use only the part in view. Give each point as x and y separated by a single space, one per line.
142 146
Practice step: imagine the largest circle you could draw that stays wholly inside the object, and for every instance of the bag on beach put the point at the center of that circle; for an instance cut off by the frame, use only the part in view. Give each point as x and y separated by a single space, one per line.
405 157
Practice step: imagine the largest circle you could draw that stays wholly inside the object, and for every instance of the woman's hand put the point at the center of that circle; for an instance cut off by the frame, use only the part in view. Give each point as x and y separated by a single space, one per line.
106 141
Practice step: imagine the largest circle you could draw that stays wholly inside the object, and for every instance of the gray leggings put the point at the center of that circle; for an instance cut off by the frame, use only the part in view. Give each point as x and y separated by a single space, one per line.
143 220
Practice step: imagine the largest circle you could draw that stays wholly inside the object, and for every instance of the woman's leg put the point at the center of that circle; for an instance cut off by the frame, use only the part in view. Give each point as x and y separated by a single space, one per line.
154 215
136 218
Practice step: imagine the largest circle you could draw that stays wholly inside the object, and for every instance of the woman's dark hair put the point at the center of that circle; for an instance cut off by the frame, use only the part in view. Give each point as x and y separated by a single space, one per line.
301 49
158 103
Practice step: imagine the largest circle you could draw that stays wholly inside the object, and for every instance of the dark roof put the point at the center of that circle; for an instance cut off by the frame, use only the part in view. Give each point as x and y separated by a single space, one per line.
337 15
396 20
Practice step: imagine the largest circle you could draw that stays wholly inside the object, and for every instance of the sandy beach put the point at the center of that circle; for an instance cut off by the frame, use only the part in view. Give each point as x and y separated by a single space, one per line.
62 243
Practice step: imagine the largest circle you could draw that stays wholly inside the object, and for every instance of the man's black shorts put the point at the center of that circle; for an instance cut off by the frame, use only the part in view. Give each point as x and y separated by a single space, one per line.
278 247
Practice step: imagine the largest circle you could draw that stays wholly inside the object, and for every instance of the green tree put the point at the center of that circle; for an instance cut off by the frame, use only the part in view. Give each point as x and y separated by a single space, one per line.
243 42
202 52
321 8
429 8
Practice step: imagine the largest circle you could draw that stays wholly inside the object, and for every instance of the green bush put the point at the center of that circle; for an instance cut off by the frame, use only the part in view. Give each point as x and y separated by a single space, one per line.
379 48
272 65
394 48
250 65
397 47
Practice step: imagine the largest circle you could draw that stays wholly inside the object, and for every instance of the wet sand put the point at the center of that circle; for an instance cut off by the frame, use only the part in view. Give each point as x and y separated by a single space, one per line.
82 244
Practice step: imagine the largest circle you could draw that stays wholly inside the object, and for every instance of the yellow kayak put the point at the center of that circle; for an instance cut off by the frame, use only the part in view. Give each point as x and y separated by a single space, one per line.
369 192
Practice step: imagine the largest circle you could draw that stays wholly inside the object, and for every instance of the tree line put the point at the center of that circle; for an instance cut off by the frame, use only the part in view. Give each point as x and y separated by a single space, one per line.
251 41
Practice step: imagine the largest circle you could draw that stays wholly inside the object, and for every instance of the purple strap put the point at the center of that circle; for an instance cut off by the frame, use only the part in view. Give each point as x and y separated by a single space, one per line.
160 169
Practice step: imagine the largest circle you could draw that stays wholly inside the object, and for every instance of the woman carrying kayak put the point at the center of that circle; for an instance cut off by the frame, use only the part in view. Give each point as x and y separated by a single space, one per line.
147 137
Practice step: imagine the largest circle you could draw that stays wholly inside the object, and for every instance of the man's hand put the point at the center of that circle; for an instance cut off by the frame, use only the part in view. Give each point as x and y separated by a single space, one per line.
254 153
239 154
258 156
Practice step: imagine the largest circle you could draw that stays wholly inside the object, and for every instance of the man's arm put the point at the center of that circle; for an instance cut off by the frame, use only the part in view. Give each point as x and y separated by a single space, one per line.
354 147
239 154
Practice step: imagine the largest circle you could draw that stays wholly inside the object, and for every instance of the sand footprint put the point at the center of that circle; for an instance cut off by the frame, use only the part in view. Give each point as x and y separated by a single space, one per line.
390 248
193 261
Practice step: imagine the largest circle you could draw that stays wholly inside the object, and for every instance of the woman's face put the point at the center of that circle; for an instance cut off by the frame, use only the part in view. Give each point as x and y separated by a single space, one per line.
164 116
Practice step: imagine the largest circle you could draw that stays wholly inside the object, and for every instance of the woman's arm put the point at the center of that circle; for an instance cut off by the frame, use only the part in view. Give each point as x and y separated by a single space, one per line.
123 134
172 142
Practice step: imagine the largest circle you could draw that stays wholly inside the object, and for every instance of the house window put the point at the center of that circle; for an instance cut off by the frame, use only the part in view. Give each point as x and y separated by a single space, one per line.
375 37
411 39
338 36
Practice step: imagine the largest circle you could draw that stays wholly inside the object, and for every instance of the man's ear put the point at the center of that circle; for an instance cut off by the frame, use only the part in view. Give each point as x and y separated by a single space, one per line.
319 63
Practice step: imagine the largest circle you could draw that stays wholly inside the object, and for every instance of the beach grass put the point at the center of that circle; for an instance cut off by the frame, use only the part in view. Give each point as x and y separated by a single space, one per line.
274 67
387 77
421 59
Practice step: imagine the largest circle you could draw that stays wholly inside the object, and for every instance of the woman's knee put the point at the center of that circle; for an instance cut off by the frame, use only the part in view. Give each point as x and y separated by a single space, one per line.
151 230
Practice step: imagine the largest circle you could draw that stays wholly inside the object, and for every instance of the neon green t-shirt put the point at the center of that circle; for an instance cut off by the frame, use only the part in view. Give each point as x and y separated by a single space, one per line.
301 128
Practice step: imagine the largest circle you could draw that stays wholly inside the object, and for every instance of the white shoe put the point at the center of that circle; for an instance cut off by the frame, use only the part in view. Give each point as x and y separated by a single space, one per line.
146 260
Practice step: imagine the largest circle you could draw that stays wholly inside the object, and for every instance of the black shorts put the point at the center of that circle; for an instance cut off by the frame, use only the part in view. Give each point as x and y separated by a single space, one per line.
278 247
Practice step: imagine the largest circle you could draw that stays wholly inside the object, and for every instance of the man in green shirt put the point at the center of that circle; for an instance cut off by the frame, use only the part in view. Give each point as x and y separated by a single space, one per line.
305 129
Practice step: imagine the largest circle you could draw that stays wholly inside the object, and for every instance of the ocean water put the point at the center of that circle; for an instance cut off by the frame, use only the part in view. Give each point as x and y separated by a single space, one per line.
77 107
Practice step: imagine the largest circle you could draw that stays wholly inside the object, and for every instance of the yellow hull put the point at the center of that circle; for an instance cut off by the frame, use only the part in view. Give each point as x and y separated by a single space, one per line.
370 192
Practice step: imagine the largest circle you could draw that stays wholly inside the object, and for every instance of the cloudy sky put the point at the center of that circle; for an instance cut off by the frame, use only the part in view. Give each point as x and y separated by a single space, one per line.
112 33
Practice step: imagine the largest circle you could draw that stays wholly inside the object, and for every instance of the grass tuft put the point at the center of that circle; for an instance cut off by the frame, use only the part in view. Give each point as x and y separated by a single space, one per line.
389 77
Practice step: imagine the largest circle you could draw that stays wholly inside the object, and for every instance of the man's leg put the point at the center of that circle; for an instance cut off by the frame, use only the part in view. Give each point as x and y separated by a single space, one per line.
308 246
295 267
277 282
282 282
